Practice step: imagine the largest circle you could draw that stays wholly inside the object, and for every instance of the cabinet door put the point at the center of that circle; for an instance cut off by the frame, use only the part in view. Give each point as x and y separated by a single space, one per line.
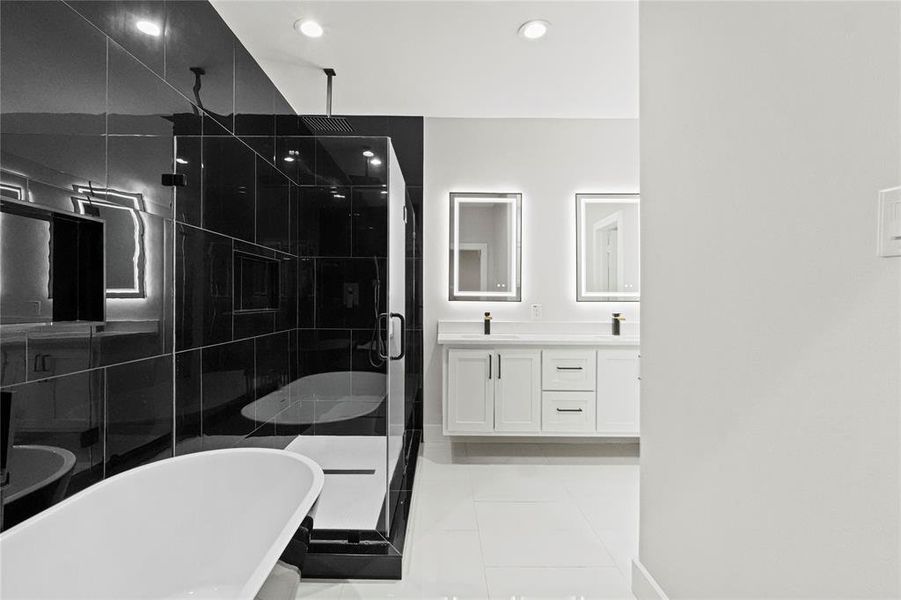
470 397
517 391
617 394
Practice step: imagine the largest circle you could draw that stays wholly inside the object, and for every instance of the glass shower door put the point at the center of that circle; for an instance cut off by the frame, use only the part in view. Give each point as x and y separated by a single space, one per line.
395 333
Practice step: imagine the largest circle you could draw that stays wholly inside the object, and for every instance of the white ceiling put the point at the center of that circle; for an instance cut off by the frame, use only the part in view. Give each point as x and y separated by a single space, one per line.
448 58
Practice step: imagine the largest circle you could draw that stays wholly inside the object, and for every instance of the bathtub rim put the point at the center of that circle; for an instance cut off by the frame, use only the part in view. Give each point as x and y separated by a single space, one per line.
262 570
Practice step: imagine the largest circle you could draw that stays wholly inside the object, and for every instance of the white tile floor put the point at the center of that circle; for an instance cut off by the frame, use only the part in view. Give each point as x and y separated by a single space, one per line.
514 520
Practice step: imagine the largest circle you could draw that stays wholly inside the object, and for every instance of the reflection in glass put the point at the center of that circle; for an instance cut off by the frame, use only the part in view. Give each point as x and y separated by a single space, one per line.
608 247
485 247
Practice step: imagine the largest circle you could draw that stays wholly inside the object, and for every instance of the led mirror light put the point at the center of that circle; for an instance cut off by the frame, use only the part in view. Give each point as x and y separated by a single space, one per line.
533 30
149 27
309 28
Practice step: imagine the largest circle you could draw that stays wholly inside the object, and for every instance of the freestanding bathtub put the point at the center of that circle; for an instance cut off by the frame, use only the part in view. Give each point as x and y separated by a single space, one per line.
205 525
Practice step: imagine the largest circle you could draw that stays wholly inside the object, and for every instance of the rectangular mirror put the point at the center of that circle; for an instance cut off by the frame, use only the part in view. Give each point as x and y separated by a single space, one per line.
485 261
607 247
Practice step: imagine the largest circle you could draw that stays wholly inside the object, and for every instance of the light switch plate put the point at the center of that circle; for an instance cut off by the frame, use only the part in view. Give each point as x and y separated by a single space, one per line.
537 311
889 222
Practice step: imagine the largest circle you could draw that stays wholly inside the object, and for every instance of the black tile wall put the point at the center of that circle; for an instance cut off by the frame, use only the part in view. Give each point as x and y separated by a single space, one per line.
92 113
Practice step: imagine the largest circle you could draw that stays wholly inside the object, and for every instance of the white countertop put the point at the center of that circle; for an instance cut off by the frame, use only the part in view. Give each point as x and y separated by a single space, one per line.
469 333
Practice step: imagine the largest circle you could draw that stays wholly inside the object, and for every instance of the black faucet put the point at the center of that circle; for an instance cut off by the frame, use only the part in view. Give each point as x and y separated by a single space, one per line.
617 319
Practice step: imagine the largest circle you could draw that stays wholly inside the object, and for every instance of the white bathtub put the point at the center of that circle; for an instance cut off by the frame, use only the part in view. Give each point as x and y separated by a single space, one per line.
321 398
205 525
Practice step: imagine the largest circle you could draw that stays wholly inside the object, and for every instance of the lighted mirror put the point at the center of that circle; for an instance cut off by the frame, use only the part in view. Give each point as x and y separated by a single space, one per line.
607 232
485 261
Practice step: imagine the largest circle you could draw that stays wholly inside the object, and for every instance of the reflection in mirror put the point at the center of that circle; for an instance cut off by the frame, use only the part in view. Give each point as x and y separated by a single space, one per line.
485 262
607 227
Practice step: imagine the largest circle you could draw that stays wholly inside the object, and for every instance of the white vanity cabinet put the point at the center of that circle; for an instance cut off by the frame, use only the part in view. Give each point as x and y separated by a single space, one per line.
494 390
574 385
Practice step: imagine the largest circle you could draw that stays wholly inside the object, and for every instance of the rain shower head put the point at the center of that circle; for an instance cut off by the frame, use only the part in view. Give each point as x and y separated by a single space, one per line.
325 125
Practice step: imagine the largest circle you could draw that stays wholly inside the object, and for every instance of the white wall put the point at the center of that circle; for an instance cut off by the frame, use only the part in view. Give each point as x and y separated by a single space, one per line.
548 161
770 329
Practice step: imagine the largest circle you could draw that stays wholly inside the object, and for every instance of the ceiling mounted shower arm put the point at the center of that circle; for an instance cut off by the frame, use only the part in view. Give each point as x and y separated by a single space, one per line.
329 73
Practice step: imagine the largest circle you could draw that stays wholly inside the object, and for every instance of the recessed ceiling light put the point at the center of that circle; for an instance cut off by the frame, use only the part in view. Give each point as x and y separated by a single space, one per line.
181 161
368 153
289 159
149 27
308 27
375 161
533 30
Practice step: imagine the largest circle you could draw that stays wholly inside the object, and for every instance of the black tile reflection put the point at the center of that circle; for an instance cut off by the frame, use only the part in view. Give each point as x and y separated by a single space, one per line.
203 295
273 221
249 324
138 413
69 97
12 357
227 390
296 157
59 159
324 351
340 161
350 292
406 135
65 412
188 162
142 326
228 187
197 37
142 103
306 300
119 20
135 163
58 349
272 369
369 209
286 317
325 222
414 219
188 406
367 351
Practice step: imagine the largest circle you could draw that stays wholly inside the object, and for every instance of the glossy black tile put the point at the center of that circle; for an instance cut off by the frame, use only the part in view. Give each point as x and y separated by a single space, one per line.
273 223
272 370
406 135
135 164
341 161
414 222
350 292
227 393
325 222
59 349
367 351
203 293
286 317
138 270
250 324
67 413
12 357
188 405
296 158
200 57
228 187
138 25
324 351
53 125
369 208
138 413
141 103
306 290
189 162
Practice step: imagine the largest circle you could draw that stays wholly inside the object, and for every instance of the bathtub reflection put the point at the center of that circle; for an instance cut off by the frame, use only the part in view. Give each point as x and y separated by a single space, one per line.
321 398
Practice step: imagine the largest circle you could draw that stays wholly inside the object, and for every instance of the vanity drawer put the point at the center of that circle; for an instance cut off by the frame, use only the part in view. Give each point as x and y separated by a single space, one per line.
565 412
568 370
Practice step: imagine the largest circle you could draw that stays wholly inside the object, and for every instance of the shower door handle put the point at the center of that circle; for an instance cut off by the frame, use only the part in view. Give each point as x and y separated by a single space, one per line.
382 328
403 336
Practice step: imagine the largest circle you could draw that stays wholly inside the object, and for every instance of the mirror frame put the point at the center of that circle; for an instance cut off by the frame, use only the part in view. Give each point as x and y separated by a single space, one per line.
582 295
515 292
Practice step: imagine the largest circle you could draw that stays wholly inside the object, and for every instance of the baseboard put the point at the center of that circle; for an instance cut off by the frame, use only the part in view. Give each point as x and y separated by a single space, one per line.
644 587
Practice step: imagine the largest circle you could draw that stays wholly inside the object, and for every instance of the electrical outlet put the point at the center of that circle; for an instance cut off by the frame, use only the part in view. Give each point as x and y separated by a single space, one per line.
537 310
